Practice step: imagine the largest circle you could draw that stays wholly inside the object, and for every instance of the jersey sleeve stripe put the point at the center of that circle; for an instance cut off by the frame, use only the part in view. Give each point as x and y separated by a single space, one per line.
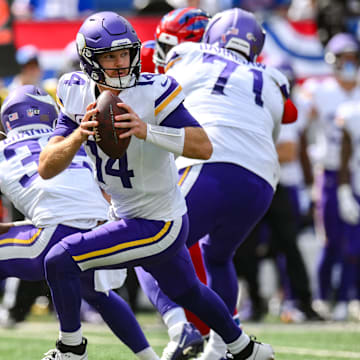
59 101
169 90
171 63
126 245
168 99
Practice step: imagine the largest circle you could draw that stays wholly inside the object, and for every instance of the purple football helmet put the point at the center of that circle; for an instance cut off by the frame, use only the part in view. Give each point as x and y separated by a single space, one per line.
238 30
339 44
103 32
28 105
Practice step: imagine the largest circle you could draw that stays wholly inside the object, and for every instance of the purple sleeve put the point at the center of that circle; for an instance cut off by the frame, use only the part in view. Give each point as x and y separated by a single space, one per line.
180 118
64 126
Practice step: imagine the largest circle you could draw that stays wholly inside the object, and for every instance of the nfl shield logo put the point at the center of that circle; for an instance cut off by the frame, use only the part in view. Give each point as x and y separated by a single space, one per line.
30 112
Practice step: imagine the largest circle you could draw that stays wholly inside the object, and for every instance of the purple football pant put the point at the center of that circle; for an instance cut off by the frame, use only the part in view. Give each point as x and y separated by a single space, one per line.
22 253
225 202
349 282
158 246
331 253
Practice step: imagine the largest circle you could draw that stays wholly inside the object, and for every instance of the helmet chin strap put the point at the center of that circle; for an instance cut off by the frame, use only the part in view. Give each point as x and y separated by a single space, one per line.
120 83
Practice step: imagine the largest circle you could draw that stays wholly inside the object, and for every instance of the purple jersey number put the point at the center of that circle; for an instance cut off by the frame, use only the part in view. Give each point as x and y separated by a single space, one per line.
113 167
229 68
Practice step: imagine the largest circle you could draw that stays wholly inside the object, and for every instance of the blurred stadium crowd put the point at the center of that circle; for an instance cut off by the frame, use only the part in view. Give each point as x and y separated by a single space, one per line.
292 272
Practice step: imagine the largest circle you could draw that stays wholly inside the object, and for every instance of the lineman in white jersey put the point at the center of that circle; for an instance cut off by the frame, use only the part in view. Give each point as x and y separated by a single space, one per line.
55 208
240 104
325 96
348 193
152 224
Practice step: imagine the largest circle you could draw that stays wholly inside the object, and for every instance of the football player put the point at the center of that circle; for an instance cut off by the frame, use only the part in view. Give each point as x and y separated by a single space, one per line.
151 224
241 105
348 194
323 98
55 208
177 26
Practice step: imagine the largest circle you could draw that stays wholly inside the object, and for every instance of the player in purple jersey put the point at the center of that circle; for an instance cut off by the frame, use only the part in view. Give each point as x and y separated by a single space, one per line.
151 225
27 117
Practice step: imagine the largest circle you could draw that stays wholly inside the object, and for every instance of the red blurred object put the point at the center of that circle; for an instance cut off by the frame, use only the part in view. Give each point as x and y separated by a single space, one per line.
198 262
290 112
45 35
146 56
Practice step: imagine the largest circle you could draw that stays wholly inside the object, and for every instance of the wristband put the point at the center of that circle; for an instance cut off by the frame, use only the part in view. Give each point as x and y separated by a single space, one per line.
168 138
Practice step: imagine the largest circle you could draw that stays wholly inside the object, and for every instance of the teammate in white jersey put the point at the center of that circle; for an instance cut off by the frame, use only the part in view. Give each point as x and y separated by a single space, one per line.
52 207
348 194
152 224
240 104
325 96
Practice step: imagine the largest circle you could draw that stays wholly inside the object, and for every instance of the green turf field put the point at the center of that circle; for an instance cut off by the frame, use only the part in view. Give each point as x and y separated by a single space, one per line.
308 341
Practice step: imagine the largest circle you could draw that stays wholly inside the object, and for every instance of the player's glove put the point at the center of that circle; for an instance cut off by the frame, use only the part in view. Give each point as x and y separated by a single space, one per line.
348 206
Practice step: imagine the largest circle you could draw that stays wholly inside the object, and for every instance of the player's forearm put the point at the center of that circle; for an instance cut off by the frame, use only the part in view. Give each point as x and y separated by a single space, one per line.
345 155
287 151
197 144
58 154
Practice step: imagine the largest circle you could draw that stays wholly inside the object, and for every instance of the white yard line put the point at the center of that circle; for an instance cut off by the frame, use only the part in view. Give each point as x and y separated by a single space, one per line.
320 353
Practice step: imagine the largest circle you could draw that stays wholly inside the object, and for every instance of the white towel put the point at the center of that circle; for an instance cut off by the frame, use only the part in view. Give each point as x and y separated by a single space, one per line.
106 280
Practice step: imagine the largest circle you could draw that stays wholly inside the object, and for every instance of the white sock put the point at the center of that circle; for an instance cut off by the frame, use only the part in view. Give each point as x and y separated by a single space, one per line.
175 331
174 316
239 344
147 354
216 343
71 338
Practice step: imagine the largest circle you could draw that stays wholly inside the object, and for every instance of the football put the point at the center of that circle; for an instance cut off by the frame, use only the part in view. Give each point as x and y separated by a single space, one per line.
106 134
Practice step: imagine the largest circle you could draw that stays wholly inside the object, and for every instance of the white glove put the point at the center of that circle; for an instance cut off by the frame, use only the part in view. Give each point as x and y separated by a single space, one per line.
348 206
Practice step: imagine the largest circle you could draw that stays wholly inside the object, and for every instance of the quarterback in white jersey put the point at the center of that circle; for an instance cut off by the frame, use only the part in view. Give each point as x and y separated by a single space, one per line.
153 194
151 224
69 203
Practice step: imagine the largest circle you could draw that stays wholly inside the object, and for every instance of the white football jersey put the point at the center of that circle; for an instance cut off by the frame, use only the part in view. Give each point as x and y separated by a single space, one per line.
325 96
53 201
238 103
291 172
143 183
348 116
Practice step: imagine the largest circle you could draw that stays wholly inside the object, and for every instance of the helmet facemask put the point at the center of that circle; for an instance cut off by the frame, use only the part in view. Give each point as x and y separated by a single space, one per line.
98 74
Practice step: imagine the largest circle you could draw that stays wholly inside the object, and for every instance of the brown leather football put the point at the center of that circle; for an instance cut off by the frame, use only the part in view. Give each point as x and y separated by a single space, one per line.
106 134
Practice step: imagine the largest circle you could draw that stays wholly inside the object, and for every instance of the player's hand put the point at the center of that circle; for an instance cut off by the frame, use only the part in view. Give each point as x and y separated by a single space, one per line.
88 122
130 121
5 227
349 208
